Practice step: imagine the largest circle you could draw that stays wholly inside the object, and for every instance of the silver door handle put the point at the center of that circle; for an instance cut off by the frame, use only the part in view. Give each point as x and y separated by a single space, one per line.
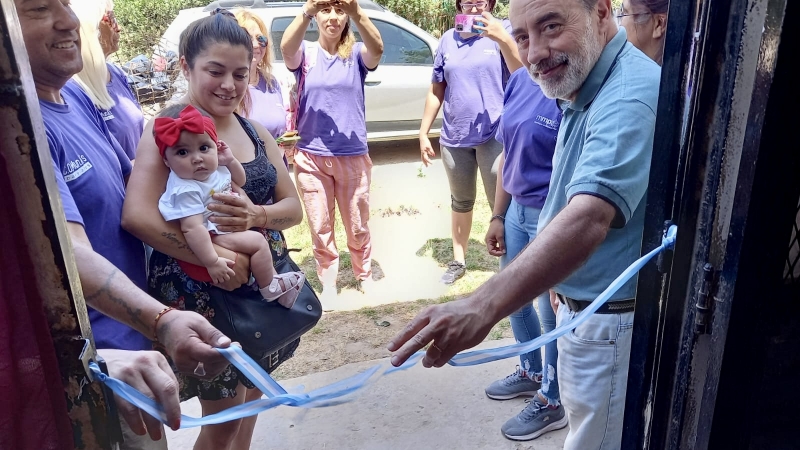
372 83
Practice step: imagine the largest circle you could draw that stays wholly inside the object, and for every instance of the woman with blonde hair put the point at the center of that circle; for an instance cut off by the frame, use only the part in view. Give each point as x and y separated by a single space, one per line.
105 84
332 162
265 103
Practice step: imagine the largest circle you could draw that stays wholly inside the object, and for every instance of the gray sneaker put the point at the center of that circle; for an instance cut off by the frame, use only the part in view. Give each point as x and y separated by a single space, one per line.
533 421
515 385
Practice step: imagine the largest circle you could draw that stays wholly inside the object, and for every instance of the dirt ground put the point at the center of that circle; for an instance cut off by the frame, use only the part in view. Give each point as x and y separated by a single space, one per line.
410 224
353 336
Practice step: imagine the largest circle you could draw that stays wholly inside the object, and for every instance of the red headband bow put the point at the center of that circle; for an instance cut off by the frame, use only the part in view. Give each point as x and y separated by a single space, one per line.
167 131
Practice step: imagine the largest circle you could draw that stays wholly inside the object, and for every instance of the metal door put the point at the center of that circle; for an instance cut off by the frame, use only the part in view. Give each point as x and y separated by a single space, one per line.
719 64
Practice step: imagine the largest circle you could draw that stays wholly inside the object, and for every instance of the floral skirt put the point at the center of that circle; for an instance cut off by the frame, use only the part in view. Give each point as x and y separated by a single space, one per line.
171 286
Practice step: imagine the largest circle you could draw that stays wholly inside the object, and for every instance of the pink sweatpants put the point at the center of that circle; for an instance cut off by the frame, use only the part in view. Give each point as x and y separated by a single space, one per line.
346 179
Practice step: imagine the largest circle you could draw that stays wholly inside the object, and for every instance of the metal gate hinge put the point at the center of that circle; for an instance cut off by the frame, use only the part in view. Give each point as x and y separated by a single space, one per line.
708 287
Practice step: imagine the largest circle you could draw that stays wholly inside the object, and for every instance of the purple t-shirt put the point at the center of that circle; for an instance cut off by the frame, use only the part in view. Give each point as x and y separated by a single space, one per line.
266 106
90 169
332 119
528 131
125 119
473 98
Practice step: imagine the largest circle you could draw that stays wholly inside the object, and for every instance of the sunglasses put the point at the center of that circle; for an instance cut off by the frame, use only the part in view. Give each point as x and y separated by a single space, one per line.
467 7
262 41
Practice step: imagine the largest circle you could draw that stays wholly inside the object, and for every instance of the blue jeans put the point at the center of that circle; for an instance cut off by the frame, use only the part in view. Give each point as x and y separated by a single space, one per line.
595 374
521 225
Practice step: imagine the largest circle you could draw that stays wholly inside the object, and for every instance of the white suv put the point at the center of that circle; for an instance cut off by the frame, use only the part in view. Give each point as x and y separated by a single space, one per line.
395 91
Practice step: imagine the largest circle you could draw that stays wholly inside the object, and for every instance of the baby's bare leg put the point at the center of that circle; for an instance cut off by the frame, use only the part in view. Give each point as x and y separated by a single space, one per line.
254 244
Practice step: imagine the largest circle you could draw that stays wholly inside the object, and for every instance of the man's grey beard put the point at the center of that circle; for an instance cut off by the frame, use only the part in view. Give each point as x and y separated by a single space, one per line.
578 67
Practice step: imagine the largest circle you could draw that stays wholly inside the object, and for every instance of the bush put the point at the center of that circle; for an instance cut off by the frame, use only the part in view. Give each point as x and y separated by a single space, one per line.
144 21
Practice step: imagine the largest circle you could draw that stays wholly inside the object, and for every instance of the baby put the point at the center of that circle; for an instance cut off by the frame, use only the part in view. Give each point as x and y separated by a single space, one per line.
201 166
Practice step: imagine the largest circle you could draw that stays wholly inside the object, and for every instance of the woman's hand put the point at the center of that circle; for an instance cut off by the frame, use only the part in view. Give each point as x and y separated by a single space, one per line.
350 7
289 149
492 28
426 150
238 212
312 7
495 238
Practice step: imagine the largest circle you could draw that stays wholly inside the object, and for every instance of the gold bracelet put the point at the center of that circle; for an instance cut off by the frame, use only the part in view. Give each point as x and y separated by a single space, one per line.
158 317
265 215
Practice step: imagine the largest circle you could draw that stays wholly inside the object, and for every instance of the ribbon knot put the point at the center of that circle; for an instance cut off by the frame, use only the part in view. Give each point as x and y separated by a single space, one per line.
167 131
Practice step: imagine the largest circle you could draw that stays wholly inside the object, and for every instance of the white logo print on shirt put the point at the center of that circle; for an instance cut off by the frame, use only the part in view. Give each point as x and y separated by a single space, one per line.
75 168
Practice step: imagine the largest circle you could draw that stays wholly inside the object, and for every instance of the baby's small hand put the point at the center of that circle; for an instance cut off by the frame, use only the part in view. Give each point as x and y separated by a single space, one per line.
224 154
221 270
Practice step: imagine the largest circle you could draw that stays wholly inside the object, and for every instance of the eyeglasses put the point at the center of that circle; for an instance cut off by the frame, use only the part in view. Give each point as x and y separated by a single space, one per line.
111 20
224 12
261 41
619 14
467 7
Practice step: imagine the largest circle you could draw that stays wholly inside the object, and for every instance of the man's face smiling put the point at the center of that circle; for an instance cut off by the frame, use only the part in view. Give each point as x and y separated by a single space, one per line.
558 41
50 31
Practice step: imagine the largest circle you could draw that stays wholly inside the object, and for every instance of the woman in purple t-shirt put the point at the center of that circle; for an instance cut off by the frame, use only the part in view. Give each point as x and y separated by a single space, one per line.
332 161
265 103
469 74
105 83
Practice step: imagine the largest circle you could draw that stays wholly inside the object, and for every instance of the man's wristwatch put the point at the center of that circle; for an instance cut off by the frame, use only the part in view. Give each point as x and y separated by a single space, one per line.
498 216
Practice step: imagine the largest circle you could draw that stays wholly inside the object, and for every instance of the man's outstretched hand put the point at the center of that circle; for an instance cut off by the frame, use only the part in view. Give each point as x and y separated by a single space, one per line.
449 327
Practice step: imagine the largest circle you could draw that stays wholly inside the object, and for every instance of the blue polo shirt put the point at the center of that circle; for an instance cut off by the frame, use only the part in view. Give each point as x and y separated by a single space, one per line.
604 149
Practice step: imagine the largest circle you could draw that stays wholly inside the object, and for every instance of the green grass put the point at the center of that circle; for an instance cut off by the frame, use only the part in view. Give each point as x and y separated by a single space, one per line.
480 265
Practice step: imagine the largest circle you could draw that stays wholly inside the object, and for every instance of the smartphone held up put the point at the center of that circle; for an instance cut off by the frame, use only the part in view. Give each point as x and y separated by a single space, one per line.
465 23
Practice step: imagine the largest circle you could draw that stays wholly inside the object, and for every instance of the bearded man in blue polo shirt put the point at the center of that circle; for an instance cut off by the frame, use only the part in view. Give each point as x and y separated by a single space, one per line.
592 220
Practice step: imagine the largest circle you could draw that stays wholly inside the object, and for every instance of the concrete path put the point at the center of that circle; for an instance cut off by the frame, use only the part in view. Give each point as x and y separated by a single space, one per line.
415 409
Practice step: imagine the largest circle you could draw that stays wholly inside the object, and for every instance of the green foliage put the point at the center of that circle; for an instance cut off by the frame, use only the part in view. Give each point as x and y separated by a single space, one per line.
144 21
433 16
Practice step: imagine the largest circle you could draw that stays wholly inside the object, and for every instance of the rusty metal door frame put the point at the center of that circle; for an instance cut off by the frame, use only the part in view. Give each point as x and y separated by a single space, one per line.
43 243
723 52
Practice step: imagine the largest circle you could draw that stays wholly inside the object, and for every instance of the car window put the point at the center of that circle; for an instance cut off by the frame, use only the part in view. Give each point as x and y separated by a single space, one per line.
400 47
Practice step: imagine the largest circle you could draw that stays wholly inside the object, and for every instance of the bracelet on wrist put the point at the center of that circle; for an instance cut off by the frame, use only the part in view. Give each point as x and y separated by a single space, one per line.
158 317
305 14
498 216
265 214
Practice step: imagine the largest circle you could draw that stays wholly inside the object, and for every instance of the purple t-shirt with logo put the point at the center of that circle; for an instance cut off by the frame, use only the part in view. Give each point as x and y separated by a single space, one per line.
473 98
528 131
90 169
332 119
125 119
266 106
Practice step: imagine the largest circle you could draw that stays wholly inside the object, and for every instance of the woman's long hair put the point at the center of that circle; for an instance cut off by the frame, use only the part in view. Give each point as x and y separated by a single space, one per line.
247 20
346 42
93 78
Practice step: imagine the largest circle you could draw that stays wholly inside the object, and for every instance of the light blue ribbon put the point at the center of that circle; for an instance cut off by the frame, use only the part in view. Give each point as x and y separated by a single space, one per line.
332 394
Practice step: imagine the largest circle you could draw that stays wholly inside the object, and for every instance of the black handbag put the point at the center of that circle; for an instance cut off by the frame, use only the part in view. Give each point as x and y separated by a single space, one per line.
263 327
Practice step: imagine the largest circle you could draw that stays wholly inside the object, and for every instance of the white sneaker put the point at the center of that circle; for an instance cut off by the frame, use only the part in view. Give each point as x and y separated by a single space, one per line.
367 286
329 298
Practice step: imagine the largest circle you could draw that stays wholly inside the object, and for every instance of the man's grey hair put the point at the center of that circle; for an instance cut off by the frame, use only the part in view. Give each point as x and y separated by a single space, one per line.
589 4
